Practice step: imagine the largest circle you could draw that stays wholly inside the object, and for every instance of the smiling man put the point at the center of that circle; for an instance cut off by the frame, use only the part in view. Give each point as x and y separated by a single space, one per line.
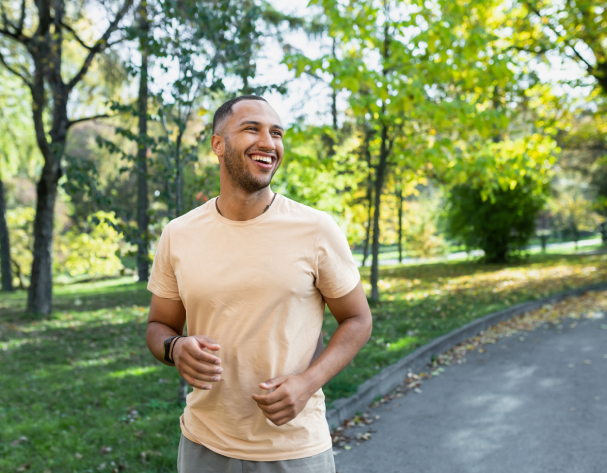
250 271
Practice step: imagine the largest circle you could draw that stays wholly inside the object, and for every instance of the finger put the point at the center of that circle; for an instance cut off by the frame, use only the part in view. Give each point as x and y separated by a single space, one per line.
196 384
207 342
267 399
281 418
273 383
202 356
274 408
201 377
203 368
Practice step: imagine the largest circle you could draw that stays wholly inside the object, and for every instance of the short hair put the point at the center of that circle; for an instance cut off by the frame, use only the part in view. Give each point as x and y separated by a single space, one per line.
226 109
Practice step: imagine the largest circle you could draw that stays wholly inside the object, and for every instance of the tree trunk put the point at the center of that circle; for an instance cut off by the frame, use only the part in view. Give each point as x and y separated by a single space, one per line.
369 198
379 184
40 293
5 245
369 224
178 178
543 239
143 260
400 226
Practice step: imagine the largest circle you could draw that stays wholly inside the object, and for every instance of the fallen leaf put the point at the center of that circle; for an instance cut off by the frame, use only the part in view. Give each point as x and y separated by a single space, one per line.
20 440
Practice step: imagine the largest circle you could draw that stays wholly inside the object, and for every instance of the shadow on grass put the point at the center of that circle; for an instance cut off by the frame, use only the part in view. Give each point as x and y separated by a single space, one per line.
86 395
124 295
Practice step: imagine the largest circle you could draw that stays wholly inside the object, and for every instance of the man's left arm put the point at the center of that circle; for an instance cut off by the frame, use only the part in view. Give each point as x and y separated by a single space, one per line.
293 392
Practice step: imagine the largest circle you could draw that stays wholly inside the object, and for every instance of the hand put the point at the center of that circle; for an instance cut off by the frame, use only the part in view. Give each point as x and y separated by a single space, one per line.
287 401
196 365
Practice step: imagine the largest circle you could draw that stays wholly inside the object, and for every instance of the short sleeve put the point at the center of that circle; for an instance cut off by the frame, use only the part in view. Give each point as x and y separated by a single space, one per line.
336 271
162 281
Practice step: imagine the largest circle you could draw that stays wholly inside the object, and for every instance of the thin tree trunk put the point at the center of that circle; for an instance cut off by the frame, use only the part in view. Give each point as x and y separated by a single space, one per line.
334 94
178 178
369 198
369 224
379 184
5 245
400 226
143 262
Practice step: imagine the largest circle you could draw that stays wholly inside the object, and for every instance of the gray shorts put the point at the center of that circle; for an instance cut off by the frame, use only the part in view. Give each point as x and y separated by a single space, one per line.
196 458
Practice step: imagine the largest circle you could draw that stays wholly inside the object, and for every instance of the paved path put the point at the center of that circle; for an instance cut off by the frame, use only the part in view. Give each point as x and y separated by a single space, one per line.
566 246
530 406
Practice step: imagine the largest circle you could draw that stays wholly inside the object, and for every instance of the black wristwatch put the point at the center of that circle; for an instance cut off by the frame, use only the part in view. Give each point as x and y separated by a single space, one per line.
168 355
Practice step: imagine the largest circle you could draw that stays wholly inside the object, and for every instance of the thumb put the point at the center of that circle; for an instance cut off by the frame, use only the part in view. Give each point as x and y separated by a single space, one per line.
273 383
206 342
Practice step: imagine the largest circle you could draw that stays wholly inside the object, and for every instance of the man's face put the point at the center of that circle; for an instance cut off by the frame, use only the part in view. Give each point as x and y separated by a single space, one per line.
252 144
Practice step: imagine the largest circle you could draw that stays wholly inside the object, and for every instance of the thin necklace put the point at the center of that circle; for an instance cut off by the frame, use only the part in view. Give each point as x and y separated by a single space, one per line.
264 210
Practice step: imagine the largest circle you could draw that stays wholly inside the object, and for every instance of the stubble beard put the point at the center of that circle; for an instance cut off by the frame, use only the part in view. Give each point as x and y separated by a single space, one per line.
238 172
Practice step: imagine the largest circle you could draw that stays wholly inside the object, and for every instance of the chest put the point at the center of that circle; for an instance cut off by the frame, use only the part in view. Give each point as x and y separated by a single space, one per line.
216 265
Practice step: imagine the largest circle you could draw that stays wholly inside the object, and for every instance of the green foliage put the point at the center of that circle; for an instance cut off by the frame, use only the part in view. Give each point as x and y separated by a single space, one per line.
94 251
499 226
20 222
420 233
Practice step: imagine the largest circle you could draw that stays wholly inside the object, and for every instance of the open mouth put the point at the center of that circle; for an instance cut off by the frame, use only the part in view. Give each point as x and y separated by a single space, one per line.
263 160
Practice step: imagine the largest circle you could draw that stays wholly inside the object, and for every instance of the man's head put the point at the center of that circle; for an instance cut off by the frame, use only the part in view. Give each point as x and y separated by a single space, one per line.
247 139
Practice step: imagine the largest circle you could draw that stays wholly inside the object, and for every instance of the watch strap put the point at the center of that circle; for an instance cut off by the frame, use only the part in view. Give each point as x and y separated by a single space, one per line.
168 355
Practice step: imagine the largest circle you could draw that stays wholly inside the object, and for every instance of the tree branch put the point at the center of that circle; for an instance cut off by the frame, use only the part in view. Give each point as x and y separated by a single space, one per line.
21 17
3 61
86 119
100 44
590 68
76 37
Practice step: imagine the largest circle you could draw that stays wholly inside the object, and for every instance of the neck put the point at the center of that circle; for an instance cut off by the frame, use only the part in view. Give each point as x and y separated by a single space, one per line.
239 205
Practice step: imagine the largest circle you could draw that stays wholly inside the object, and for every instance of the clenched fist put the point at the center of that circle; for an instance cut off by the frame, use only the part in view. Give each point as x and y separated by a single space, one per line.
197 366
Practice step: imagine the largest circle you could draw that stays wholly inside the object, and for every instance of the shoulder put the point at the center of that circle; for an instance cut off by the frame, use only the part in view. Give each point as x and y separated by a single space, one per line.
301 211
321 223
185 222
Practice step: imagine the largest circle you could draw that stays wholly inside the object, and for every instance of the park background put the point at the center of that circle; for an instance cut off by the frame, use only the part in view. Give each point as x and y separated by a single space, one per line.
460 145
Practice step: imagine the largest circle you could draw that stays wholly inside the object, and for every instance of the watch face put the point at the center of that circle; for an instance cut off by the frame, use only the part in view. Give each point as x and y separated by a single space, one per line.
167 345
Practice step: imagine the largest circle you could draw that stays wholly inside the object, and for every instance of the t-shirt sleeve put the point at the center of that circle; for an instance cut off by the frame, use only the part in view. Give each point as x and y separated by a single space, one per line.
163 281
336 271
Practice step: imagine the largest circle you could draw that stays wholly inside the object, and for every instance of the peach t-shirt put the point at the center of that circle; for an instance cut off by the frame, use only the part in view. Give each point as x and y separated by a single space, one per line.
256 287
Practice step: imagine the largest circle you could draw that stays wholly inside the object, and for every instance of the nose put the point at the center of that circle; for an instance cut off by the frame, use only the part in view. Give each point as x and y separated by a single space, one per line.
265 141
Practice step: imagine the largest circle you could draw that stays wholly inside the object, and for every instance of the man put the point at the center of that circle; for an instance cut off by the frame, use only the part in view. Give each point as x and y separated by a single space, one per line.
251 272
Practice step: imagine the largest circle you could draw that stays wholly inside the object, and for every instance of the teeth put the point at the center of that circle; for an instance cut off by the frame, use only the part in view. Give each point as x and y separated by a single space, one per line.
263 159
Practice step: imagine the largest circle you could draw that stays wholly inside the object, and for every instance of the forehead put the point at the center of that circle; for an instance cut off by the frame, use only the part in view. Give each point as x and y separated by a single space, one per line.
253 110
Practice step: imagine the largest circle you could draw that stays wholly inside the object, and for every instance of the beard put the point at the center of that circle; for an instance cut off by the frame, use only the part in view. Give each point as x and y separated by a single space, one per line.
239 173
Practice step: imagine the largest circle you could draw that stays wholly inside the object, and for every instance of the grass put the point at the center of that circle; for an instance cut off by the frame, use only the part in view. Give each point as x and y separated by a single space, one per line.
83 390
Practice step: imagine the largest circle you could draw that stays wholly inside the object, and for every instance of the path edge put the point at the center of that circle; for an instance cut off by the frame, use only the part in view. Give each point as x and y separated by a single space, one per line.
390 377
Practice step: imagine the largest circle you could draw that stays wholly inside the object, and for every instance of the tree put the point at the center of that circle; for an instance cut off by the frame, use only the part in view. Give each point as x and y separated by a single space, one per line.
36 40
574 30
414 72
17 153
500 225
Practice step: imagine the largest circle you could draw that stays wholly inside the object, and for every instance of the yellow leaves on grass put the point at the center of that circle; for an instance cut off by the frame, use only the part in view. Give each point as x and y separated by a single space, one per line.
528 280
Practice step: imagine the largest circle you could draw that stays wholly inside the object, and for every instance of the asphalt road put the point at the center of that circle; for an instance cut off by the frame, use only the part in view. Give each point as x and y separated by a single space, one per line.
536 405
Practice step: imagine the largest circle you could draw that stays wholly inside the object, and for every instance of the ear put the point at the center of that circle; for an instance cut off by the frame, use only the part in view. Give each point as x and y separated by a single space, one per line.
218 145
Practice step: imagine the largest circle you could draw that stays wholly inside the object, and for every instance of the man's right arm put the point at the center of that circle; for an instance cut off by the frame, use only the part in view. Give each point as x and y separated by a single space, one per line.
198 367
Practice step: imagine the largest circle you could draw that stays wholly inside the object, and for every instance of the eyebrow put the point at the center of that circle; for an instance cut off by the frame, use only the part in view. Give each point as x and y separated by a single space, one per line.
253 122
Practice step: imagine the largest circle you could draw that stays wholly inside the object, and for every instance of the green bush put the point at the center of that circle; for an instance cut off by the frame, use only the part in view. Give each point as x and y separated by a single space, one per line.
499 225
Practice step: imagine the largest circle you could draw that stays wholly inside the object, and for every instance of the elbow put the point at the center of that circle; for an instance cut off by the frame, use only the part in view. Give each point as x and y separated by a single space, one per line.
368 327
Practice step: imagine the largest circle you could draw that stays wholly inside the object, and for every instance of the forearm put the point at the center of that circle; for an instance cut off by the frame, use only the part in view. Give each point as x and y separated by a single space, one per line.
350 336
156 334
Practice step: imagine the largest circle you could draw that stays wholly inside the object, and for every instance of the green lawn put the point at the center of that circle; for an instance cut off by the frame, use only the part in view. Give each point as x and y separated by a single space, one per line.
83 390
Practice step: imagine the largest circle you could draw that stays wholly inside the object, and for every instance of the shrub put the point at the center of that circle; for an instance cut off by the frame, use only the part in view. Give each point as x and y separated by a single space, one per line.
499 225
